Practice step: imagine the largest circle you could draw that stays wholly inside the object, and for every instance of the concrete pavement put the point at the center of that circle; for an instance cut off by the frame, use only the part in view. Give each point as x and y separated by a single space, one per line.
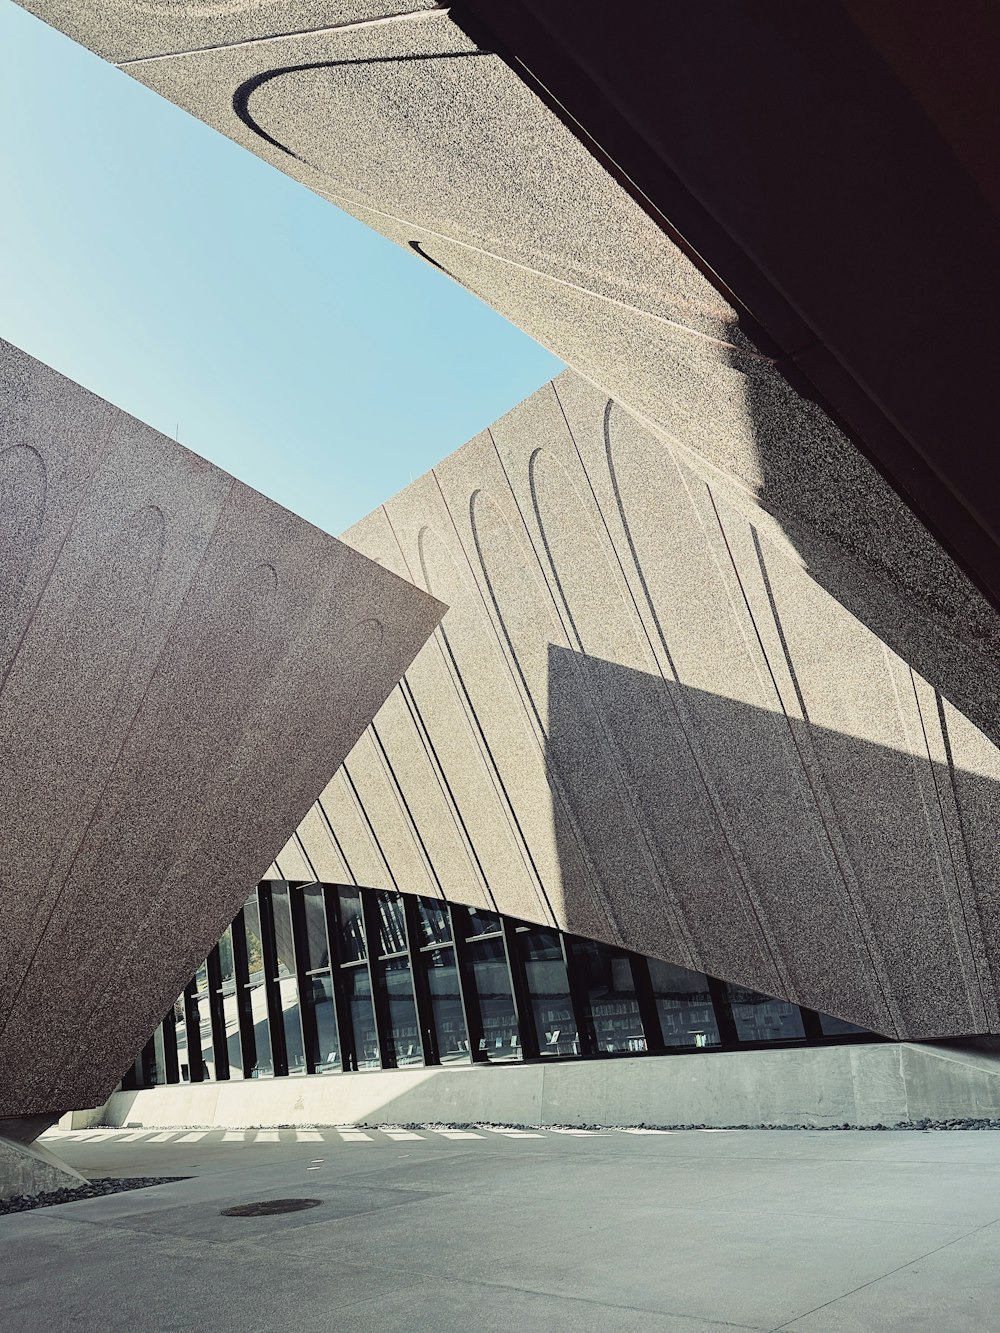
461 1231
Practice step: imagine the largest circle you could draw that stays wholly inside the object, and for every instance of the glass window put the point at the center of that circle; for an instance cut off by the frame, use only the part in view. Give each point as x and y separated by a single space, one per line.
548 986
317 997
609 994
446 1005
352 929
291 1019
482 922
227 963
391 926
203 1024
839 1027
761 1018
230 1008
357 988
434 925
284 943
684 1004
404 1034
255 945
500 1038
183 1061
317 946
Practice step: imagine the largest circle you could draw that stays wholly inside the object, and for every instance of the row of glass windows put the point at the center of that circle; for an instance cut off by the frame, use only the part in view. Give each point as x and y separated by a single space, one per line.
294 988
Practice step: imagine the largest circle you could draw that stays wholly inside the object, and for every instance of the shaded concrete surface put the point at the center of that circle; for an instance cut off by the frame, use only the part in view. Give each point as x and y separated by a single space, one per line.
488 1230
643 720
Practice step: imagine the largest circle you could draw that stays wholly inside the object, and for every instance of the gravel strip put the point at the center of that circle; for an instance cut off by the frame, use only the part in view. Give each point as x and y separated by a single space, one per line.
23 1203
917 1126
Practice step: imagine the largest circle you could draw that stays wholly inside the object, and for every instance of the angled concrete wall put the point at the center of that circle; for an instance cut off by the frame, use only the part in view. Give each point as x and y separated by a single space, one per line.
393 113
183 664
641 719
836 1085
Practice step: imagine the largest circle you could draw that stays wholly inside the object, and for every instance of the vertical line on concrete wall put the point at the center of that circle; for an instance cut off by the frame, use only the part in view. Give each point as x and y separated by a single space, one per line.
404 805
960 816
850 881
370 827
420 727
476 729
334 839
951 855
305 855
493 766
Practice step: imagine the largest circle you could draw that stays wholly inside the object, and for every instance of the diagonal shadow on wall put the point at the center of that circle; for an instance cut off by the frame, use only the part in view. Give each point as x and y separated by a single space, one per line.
858 879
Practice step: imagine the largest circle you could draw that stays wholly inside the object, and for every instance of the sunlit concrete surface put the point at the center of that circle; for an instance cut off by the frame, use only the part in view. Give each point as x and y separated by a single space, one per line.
686 1232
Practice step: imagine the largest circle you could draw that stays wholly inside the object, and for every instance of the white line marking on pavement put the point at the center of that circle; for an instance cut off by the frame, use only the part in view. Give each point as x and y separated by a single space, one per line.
266 1136
308 1136
162 1138
401 1134
456 1134
234 1136
193 1137
353 1135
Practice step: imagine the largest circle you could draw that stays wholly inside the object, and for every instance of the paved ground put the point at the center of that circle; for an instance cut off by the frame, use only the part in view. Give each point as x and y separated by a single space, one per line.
457 1232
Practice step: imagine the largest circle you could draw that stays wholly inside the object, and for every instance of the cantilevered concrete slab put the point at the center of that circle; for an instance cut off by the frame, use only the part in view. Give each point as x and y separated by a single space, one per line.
644 721
401 118
183 665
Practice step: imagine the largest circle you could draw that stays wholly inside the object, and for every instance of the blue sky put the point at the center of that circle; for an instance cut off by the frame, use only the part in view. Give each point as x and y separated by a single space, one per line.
150 259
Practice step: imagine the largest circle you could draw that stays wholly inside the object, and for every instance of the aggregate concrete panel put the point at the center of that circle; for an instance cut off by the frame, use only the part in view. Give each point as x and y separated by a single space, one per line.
123 30
508 688
453 698
713 752
441 146
867 733
167 719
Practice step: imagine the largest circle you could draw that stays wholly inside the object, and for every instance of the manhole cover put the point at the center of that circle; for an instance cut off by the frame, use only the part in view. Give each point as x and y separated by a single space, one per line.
268 1207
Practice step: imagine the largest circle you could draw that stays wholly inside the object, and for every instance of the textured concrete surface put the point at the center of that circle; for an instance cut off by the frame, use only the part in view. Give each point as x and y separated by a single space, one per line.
840 851
33 1169
677 1233
643 719
873 1084
184 664
440 146
123 30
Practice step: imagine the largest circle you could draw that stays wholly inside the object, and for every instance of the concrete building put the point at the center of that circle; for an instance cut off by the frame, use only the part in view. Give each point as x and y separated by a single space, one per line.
719 679
169 638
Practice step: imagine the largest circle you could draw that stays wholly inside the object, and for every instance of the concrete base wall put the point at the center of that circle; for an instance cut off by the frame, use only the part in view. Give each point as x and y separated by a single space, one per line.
853 1085
33 1169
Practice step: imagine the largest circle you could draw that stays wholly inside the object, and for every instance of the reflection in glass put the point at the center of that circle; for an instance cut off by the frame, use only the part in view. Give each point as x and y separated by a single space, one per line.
434 925
183 1063
317 947
446 1005
317 996
255 946
404 1035
358 991
609 994
760 1018
482 922
500 1038
548 986
684 1005
283 939
291 1020
391 927
352 930
839 1027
